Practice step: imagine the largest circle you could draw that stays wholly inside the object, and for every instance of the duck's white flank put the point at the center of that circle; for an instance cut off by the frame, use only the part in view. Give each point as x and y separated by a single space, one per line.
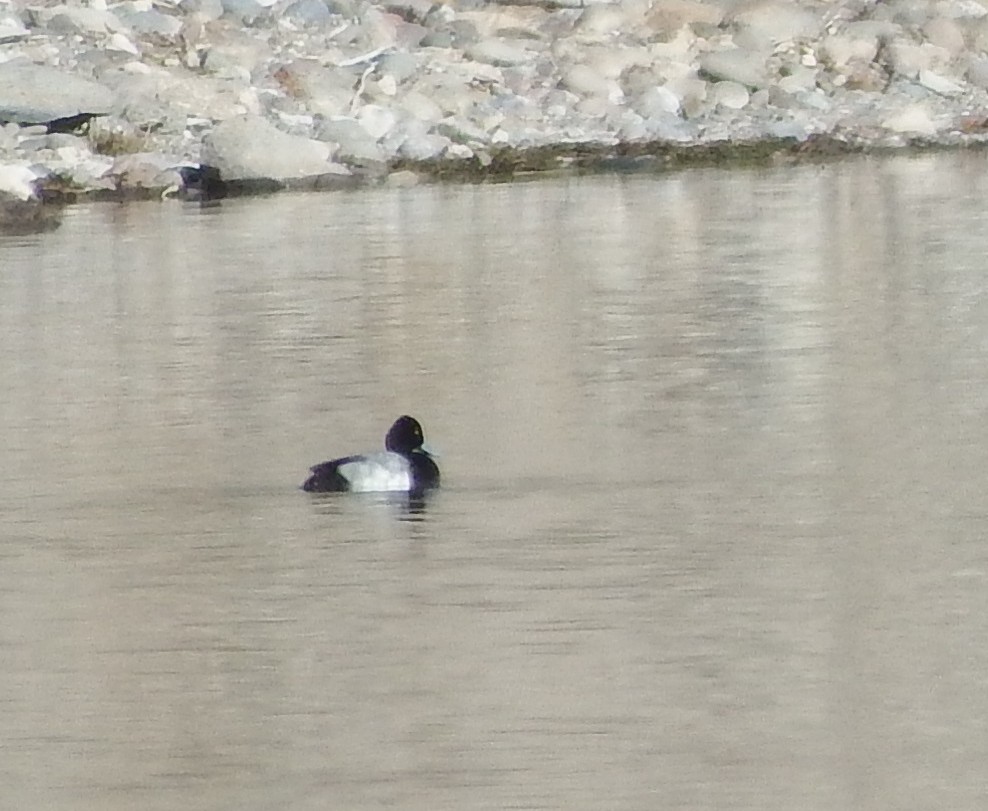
378 473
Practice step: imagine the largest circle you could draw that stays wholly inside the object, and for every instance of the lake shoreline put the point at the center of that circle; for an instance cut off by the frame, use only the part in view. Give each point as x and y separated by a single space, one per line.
211 98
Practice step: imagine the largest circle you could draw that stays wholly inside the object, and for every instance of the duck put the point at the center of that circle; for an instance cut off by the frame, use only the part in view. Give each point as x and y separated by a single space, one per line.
404 466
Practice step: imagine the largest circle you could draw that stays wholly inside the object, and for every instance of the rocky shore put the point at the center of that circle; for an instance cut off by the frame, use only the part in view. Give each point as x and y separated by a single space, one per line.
209 97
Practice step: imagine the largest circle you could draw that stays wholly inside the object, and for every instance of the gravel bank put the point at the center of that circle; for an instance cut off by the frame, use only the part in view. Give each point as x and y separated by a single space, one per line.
206 97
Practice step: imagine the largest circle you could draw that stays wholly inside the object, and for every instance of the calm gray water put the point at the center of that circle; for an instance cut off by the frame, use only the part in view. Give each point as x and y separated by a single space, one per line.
713 530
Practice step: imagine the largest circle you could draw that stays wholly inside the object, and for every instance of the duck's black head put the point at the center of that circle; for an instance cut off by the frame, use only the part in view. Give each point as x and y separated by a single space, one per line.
404 436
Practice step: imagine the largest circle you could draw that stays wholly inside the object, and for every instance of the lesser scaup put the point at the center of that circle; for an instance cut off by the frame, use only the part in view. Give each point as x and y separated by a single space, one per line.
405 466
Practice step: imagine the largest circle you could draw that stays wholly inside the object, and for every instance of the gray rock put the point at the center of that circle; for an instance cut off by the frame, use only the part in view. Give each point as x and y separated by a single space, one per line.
421 106
400 65
629 126
977 72
410 35
656 101
326 91
152 23
424 147
841 50
497 52
907 59
38 94
736 65
53 141
607 18
463 33
799 79
208 9
354 146
415 10
666 127
308 12
234 54
65 19
945 33
145 170
246 12
667 17
250 148
764 25
442 38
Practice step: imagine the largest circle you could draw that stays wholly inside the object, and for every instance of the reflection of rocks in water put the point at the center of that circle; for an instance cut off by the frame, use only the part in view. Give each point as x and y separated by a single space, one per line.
22 210
28 216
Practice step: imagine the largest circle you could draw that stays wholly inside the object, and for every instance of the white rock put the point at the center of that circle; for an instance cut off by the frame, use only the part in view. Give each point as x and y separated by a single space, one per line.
939 84
377 121
17 181
460 151
119 42
588 82
800 79
839 50
137 67
387 85
12 29
732 95
657 100
914 119
299 120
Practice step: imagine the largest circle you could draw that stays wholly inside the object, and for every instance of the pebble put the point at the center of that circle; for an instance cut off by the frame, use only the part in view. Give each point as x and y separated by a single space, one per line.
284 90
